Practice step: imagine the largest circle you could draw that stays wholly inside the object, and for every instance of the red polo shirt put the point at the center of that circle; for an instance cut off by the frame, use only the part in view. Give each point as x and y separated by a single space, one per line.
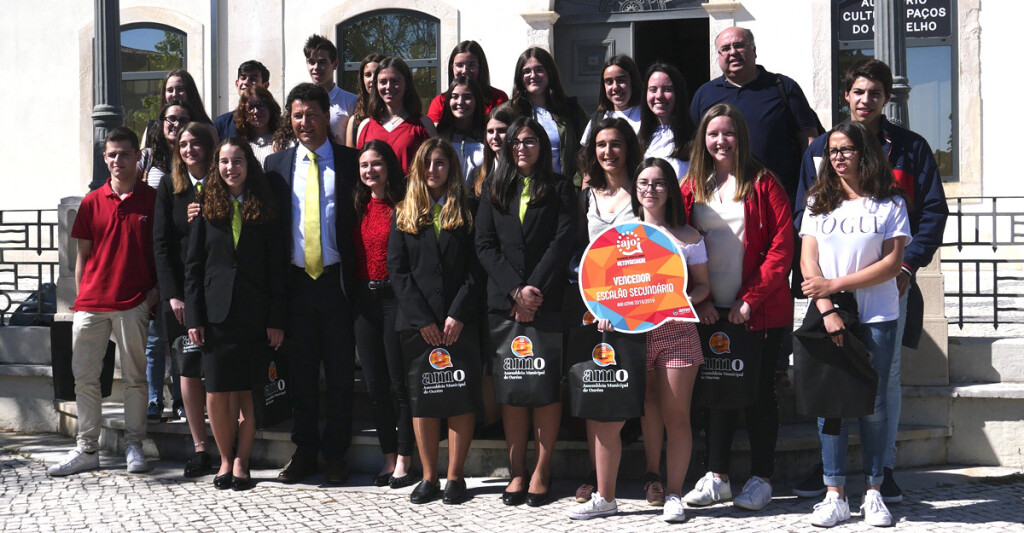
120 269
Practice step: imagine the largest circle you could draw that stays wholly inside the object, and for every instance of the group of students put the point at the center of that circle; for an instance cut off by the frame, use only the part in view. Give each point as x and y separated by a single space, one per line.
455 228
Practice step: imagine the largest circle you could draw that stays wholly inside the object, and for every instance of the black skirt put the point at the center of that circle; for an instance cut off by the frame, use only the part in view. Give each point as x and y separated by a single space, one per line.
229 355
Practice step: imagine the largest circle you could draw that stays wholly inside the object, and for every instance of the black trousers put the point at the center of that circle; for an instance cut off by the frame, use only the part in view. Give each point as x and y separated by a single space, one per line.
380 356
762 420
320 332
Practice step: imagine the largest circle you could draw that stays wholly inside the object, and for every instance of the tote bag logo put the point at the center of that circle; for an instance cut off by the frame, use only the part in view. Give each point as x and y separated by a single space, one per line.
440 359
604 354
719 343
272 371
522 346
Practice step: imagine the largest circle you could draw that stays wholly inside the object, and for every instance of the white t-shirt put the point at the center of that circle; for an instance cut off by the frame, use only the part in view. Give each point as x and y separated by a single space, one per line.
471 157
632 115
850 239
544 117
722 222
343 104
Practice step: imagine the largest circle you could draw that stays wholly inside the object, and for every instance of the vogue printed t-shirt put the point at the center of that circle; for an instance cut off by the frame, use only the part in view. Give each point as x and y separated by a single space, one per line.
850 239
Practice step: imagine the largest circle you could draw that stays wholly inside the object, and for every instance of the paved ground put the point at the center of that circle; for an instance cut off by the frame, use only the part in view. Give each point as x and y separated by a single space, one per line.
978 499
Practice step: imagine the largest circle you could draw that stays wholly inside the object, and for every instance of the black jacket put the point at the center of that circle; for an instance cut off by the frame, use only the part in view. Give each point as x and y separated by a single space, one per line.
170 237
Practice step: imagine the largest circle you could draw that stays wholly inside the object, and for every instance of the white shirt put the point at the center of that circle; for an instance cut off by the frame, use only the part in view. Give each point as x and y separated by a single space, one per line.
850 239
471 157
662 145
543 116
328 247
722 223
343 104
631 114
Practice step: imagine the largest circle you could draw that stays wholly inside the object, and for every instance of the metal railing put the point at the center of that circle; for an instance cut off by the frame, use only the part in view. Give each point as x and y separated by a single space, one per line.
988 260
28 260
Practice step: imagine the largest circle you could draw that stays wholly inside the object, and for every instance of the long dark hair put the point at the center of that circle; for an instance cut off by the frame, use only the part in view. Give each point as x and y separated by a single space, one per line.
483 76
163 153
588 161
195 102
242 117
257 199
363 102
179 173
446 126
556 99
604 105
506 114
679 121
675 211
410 100
394 189
876 178
503 184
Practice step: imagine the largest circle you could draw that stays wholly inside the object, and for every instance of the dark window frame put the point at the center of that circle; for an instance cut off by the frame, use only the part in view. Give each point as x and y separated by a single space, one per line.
353 66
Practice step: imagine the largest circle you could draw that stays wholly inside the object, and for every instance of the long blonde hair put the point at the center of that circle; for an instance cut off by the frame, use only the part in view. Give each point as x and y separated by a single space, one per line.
745 167
415 211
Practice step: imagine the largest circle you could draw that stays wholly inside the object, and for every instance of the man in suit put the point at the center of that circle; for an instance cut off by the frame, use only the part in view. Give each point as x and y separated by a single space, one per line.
250 73
314 181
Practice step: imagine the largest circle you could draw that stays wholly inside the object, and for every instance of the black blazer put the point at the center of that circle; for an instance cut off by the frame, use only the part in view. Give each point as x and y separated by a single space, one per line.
535 252
280 171
433 278
170 237
249 281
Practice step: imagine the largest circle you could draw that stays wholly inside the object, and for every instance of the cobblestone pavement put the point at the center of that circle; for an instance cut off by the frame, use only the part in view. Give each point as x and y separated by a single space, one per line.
108 499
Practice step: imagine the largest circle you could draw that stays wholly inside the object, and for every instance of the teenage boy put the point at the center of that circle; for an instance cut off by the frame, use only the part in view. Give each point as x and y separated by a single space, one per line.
116 280
322 63
250 73
868 87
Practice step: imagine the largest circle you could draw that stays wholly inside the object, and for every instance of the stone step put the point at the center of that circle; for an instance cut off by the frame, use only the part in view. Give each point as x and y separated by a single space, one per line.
797 450
986 360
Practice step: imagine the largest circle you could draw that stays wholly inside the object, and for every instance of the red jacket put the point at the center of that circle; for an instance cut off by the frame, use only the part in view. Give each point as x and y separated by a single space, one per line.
768 253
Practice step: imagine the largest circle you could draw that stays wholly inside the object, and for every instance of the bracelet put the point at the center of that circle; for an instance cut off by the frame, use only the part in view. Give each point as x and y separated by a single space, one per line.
516 294
829 312
906 271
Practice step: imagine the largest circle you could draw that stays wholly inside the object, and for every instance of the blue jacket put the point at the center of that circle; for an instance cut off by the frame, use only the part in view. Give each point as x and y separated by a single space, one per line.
916 172
225 125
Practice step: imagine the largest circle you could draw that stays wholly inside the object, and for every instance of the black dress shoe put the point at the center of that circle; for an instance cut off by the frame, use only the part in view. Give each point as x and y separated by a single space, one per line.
299 468
336 473
224 481
425 492
198 464
404 481
242 483
513 498
382 480
537 500
454 492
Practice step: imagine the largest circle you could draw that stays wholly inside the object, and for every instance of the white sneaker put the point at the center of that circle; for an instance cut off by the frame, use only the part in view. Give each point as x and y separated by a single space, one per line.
74 462
136 461
756 494
709 490
830 511
673 510
596 507
874 511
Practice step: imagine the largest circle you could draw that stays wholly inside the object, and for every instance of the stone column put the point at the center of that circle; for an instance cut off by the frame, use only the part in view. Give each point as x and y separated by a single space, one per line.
107 112
891 47
541 25
721 15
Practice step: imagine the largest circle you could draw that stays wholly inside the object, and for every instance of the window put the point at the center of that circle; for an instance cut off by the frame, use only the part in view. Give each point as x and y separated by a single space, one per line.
931 70
413 36
148 52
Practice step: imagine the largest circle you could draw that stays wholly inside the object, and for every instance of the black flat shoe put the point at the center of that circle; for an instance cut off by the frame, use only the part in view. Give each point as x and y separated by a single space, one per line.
404 481
537 500
425 492
223 482
513 498
242 483
383 480
454 492
197 465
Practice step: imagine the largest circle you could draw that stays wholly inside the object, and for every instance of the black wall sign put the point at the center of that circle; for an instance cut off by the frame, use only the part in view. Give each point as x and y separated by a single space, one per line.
925 19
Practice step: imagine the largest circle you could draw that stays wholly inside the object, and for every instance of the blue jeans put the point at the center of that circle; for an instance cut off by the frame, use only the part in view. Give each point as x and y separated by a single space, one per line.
879 339
894 396
156 362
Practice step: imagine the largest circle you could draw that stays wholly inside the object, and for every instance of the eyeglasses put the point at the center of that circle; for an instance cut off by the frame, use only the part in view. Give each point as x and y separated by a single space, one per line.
529 142
846 151
739 46
175 119
259 106
656 186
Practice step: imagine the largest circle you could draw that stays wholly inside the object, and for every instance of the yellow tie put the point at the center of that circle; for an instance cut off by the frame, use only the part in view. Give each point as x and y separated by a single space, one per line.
236 221
524 199
199 187
311 223
437 221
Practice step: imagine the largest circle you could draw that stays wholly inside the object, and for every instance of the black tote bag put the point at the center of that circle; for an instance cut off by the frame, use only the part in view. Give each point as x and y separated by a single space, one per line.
608 374
443 381
271 404
732 362
527 366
